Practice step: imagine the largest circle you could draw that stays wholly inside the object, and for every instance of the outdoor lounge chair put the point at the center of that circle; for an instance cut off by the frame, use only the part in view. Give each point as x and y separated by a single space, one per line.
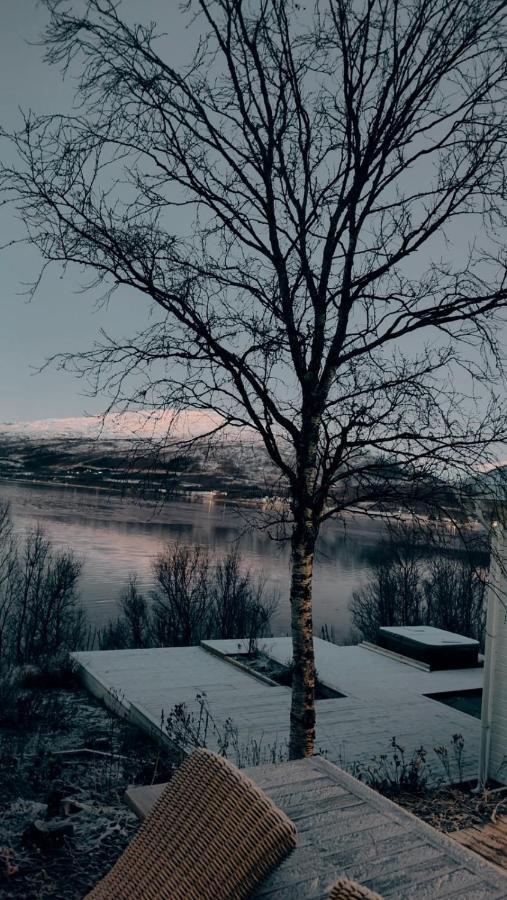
211 835
345 889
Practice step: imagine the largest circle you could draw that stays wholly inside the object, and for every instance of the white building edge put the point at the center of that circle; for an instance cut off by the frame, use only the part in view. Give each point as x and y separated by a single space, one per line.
493 747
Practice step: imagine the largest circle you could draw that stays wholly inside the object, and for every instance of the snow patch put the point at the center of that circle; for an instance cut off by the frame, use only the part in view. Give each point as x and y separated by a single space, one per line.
140 424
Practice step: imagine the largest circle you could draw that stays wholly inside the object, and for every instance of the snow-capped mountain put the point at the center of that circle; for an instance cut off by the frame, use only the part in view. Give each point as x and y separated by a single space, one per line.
125 425
97 452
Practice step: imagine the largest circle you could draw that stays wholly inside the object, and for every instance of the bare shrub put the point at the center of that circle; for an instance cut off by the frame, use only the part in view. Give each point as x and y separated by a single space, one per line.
47 617
240 607
198 597
329 634
135 614
188 729
23 704
114 636
201 599
398 772
183 598
133 627
405 590
395 771
393 595
454 597
452 763
7 574
40 615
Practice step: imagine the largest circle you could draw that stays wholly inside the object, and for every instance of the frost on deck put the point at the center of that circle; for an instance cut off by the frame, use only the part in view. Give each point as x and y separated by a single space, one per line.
345 828
384 697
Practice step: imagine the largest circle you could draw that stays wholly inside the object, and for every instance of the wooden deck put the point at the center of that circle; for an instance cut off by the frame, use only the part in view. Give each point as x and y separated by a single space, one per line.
384 698
489 841
346 828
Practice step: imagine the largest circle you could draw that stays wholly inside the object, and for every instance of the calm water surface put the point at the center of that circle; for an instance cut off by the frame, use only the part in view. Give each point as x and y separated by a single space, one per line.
115 536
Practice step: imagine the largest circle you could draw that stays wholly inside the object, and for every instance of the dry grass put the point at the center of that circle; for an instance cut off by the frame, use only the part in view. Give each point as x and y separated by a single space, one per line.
453 808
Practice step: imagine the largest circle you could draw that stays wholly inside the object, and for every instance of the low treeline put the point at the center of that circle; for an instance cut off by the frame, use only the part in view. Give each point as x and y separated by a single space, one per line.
197 596
408 588
200 596
40 612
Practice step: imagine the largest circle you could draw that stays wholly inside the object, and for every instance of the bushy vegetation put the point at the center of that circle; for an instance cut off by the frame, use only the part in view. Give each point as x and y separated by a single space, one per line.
190 727
407 589
197 597
397 771
132 627
40 613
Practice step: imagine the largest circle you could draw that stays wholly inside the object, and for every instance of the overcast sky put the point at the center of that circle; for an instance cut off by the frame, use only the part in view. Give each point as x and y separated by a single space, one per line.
58 319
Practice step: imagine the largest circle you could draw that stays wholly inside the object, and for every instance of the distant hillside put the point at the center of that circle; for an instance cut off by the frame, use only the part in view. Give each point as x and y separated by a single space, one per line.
137 451
130 425
116 453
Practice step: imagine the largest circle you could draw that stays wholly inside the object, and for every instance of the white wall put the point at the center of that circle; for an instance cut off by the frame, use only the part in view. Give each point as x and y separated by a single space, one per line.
493 756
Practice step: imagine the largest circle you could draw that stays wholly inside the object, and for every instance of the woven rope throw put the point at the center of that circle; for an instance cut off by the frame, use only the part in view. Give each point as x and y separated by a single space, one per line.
211 835
345 889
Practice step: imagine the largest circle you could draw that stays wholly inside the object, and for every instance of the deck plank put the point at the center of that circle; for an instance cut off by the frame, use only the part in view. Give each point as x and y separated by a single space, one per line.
384 698
488 841
346 828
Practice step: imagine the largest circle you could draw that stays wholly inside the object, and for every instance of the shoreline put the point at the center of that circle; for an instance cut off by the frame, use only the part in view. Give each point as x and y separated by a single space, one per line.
355 520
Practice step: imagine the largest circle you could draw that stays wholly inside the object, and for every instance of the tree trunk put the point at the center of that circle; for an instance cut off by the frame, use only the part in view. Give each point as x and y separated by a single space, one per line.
302 716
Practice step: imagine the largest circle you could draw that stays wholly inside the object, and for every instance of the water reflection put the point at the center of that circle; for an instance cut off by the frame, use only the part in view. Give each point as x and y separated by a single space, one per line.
115 537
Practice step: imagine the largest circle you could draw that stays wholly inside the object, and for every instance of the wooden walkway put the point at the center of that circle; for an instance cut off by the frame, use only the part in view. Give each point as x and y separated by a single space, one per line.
385 698
346 828
489 841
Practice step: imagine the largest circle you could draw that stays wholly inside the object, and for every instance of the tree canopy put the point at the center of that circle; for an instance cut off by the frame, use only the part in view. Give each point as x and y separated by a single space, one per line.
315 207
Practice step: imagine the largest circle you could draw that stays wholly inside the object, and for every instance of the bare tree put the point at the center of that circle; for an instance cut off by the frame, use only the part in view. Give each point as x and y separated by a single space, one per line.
181 601
7 576
46 617
199 597
313 205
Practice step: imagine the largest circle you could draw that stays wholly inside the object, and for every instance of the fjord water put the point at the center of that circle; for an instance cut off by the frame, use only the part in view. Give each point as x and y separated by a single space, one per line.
115 536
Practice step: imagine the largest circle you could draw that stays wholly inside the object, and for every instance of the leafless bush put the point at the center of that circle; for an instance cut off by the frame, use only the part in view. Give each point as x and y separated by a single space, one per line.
349 639
198 597
133 627
452 763
240 607
454 597
395 771
40 615
135 614
22 703
183 599
114 635
393 595
47 615
188 729
405 590
7 573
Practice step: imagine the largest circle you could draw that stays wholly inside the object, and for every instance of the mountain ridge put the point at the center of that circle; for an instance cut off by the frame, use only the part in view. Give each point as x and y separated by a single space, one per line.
125 425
